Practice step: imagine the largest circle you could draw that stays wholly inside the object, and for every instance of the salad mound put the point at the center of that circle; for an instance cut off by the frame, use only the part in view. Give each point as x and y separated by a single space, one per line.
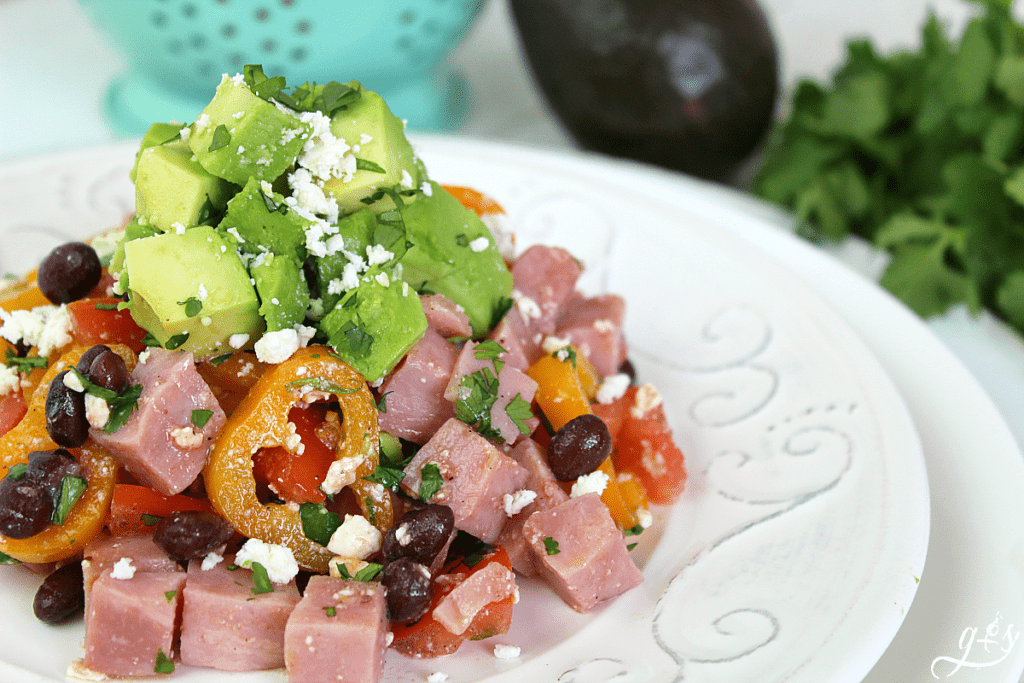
306 405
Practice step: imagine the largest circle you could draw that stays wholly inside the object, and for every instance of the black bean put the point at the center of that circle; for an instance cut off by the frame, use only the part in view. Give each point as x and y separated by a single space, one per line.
628 369
65 414
408 588
108 370
86 359
21 349
25 508
191 534
61 595
69 272
579 447
420 534
48 469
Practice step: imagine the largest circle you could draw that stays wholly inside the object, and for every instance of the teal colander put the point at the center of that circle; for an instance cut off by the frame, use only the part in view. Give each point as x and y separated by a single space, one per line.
177 50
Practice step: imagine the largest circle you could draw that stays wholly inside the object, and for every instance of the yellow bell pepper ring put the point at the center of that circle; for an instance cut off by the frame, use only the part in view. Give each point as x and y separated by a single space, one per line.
261 421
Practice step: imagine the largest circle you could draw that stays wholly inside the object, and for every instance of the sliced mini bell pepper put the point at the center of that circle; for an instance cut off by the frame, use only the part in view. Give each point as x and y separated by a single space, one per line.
474 200
23 295
86 519
261 421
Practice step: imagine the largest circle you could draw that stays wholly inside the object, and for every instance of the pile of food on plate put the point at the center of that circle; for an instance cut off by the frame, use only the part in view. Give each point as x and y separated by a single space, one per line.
305 406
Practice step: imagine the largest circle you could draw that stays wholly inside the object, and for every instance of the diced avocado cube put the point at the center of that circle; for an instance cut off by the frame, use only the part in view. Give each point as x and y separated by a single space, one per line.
169 273
157 134
454 254
172 189
261 218
374 326
240 136
356 230
133 230
284 294
377 137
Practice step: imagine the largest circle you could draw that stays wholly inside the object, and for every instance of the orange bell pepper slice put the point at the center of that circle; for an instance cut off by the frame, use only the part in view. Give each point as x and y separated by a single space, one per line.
23 295
261 421
562 397
99 468
476 201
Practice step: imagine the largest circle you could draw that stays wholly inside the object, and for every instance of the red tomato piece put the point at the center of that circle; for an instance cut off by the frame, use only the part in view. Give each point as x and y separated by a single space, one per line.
645 448
613 414
131 502
12 409
105 325
296 477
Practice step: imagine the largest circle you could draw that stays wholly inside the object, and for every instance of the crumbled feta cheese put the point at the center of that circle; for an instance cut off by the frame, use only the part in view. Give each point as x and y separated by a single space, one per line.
97 410
277 347
355 538
202 122
506 651
377 254
365 139
595 482
612 387
644 518
211 560
340 474
10 380
528 308
179 228
382 279
202 293
603 325
402 534
515 502
647 399
310 195
45 327
406 180
123 569
479 244
427 189
237 341
206 321
437 677
186 437
551 343
324 154
73 382
184 133
276 559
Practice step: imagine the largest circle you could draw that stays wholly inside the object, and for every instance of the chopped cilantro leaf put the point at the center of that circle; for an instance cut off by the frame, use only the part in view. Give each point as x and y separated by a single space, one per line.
478 554
260 580
107 307
26 364
193 306
217 361
163 664
631 546
551 546
272 206
121 407
17 471
169 595
462 240
200 417
381 405
221 138
633 531
519 412
329 610
150 340
478 392
71 489
6 559
343 571
431 481
388 477
318 523
176 341
367 165
150 520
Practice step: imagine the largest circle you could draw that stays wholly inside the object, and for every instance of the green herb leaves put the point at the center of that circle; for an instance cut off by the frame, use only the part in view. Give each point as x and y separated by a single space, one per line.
318 523
260 579
921 153
551 546
200 417
221 138
327 99
368 573
431 481
71 489
163 664
24 365
120 405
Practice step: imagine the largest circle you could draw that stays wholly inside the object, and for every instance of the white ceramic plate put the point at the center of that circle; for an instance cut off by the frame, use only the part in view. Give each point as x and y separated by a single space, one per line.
797 549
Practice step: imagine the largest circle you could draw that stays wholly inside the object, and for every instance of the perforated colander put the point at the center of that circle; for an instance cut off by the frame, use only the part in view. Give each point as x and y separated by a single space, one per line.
177 51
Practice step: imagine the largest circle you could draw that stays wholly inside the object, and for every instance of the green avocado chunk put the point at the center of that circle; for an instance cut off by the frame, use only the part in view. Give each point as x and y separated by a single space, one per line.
157 134
133 230
240 136
172 190
378 142
453 253
191 291
284 294
264 222
375 325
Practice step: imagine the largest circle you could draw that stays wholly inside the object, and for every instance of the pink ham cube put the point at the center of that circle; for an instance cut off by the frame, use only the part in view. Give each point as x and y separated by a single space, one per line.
226 626
580 553
144 554
337 633
543 277
475 477
131 622
594 326
161 443
456 610
414 401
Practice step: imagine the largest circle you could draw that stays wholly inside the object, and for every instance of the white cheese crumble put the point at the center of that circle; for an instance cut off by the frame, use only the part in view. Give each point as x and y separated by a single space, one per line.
123 569
340 474
647 399
144 356
644 518
202 122
515 502
73 382
45 327
595 482
97 410
612 387
184 133
186 437
10 380
406 180
355 538
603 325
382 279
528 308
437 677
211 560
506 651
376 254
427 189
479 244
402 534
237 341
277 347
179 228
276 559
551 343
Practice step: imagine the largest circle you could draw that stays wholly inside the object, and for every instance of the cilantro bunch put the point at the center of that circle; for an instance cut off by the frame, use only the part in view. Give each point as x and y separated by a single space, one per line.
921 153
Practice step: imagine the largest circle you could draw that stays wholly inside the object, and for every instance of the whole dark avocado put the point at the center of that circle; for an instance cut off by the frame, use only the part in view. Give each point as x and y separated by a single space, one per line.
686 84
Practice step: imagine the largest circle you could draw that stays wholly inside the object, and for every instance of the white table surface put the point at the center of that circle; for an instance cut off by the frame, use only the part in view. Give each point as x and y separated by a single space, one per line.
54 68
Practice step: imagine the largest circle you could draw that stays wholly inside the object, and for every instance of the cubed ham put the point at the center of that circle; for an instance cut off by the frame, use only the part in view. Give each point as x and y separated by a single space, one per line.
475 474
584 559
337 633
521 347
512 383
446 317
456 610
414 401
226 626
143 554
549 493
131 623
594 326
543 278
160 443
